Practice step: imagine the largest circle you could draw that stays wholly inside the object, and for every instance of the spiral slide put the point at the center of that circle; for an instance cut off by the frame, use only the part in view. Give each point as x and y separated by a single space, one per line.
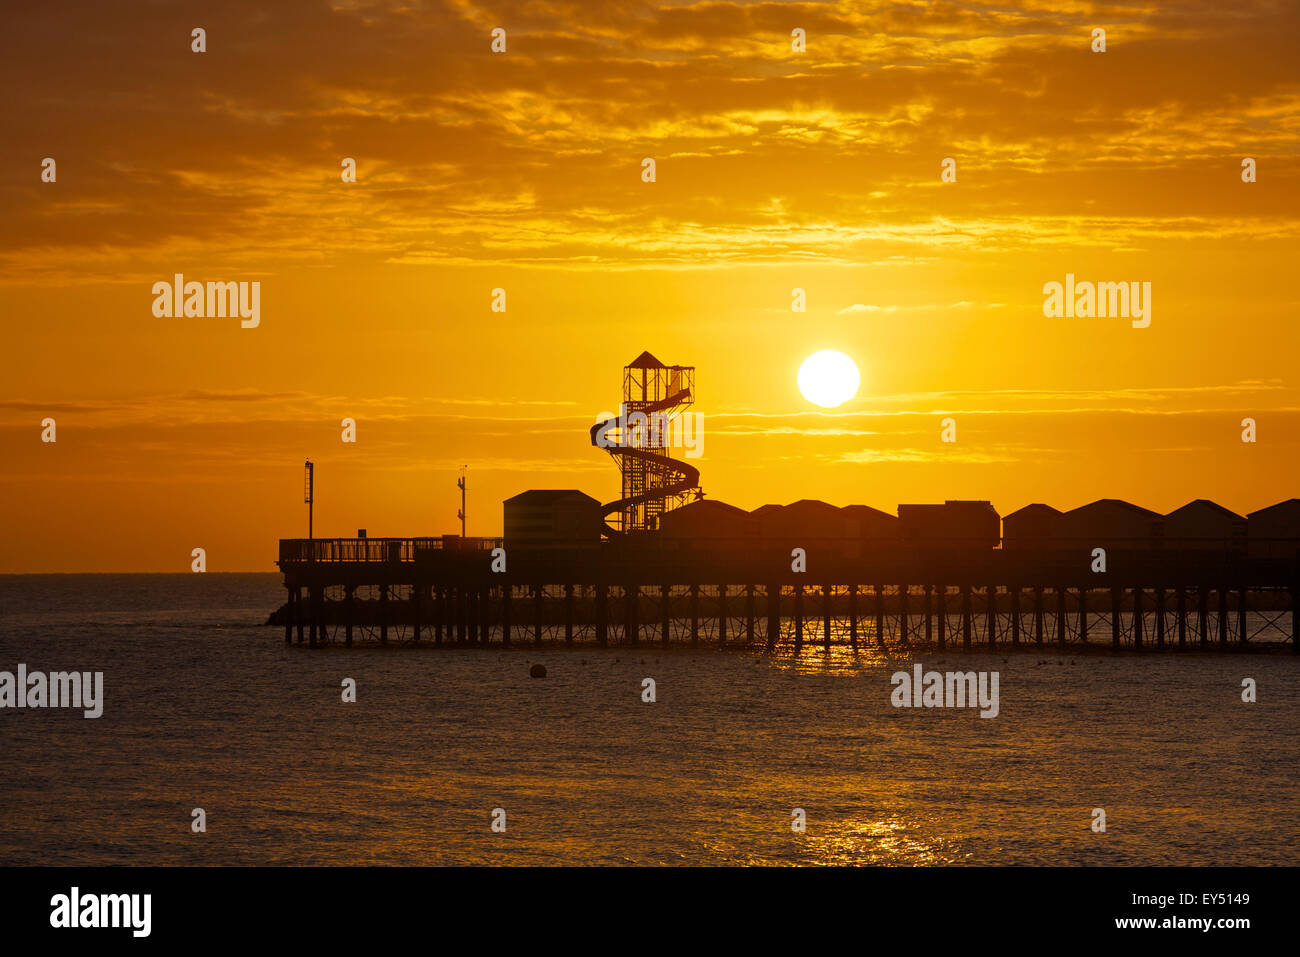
689 474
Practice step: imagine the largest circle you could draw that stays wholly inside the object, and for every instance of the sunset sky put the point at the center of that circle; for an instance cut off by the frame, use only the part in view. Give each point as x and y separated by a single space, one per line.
522 170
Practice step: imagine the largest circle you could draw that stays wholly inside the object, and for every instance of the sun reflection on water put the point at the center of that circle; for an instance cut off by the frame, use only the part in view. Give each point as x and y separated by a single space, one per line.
889 840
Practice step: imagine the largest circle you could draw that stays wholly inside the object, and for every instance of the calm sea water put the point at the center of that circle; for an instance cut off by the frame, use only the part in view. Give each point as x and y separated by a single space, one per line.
206 707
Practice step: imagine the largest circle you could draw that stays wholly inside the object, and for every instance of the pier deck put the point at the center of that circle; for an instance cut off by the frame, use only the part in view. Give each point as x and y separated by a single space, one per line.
417 590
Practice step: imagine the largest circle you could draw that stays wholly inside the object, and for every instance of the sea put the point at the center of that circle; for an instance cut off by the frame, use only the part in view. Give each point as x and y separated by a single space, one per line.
205 707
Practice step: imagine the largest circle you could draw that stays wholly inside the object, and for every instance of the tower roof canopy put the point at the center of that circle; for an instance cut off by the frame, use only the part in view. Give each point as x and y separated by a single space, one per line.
646 361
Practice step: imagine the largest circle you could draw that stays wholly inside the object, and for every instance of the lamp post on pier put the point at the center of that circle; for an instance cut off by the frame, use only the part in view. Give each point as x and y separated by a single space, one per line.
460 484
308 489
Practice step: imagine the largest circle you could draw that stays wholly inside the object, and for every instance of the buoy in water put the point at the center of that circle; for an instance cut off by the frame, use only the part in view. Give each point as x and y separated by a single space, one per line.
537 671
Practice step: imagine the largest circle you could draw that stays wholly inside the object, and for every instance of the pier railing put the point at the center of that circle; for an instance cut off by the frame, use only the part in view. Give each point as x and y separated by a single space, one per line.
376 550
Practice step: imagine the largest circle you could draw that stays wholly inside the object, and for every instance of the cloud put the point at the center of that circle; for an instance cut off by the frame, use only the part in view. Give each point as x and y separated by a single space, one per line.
533 157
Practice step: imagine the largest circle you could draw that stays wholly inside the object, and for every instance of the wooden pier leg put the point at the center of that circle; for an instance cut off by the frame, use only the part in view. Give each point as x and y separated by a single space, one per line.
903 612
853 616
485 615
826 617
722 614
749 614
383 614
417 599
288 617
472 613
773 615
695 614
1060 612
568 614
880 616
1116 604
437 613
1203 612
448 603
1180 614
1138 625
506 589
965 617
1223 616
1038 615
459 611
299 612
665 606
1160 618
941 614
537 611
929 623
309 616
1015 615
991 612
314 624
602 615
631 597
349 594
1295 619
1242 635
1083 616
798 618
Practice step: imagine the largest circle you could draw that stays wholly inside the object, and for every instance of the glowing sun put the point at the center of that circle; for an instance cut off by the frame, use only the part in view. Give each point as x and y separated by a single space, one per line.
828 378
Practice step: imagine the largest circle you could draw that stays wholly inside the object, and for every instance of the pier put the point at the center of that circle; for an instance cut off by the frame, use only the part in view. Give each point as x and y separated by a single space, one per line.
428 590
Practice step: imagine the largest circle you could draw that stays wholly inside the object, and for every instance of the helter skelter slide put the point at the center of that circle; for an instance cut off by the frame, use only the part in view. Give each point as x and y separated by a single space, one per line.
639 438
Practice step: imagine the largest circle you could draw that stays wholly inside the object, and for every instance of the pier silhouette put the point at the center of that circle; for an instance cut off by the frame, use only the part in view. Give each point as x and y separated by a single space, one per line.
659 564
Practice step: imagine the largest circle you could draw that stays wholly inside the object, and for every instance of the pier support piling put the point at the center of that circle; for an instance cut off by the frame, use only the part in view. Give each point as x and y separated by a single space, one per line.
1203 613
1116 605
1242 634
722 615
631 598
349 610
826 617
929 607
665 608
991 612
941 614
798 619
773 615
1138 624
695 614
602 615
853 616
965 618
1160 618
1223 616
1180 615
568 614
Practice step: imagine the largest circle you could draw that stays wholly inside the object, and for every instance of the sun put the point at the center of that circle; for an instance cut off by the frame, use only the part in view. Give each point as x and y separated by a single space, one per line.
828 378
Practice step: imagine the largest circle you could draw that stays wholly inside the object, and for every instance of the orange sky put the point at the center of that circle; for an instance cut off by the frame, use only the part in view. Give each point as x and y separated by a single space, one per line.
522 170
